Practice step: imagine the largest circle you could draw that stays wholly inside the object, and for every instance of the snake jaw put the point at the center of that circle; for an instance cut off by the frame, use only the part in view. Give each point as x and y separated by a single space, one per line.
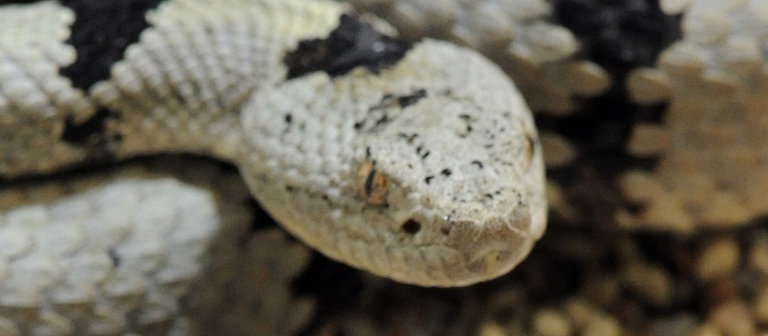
434 250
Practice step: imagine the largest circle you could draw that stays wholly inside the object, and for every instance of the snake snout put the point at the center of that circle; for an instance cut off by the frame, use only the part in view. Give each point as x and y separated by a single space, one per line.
492 247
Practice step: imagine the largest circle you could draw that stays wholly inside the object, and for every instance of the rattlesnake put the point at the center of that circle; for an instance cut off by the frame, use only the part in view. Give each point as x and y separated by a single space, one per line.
426 168
421 172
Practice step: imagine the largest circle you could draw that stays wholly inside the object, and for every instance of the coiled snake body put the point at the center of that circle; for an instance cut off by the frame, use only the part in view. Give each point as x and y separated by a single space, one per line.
417 161
427 171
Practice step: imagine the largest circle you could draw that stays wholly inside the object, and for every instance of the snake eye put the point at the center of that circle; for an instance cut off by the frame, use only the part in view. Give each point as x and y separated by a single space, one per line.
371 184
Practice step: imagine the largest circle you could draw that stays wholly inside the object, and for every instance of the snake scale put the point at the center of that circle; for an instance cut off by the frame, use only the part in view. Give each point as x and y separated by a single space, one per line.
406 171
416 160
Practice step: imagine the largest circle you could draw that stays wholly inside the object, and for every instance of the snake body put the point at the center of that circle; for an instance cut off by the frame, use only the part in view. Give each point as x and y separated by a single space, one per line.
456 168
425 168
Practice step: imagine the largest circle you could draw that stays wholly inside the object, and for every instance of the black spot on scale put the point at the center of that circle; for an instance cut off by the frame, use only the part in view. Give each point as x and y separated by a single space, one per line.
408 100
353 43
422 152
101 32
409 138
390 100
389 107
114 257
383 120
467 119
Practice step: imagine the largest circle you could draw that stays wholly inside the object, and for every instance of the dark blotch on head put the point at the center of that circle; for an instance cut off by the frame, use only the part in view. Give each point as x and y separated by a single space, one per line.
408 100
411 226
389 100
353 43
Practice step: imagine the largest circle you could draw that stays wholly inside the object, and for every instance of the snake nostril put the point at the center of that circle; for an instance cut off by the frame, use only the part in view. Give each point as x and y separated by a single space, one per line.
446 229
411 226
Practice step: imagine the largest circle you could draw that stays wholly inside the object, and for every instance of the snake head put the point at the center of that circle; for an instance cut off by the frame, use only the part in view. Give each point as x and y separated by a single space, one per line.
428 172
453 171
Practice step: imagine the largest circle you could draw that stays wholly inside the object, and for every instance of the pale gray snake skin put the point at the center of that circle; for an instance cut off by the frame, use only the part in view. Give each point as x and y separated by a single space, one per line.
427 170
421 172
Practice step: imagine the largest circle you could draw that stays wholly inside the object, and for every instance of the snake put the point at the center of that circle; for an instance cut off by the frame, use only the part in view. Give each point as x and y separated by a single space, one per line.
413 159
410 169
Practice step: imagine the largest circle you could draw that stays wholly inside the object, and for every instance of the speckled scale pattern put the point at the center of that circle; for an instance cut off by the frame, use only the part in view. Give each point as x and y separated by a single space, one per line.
186 79
711 139
671 62
76 263
463 174
699 182
679 143
194 83
182 260
35 101
517 34
618 36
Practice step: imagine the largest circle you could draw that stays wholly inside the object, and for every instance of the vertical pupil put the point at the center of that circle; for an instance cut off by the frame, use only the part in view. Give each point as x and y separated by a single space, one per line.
369 182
